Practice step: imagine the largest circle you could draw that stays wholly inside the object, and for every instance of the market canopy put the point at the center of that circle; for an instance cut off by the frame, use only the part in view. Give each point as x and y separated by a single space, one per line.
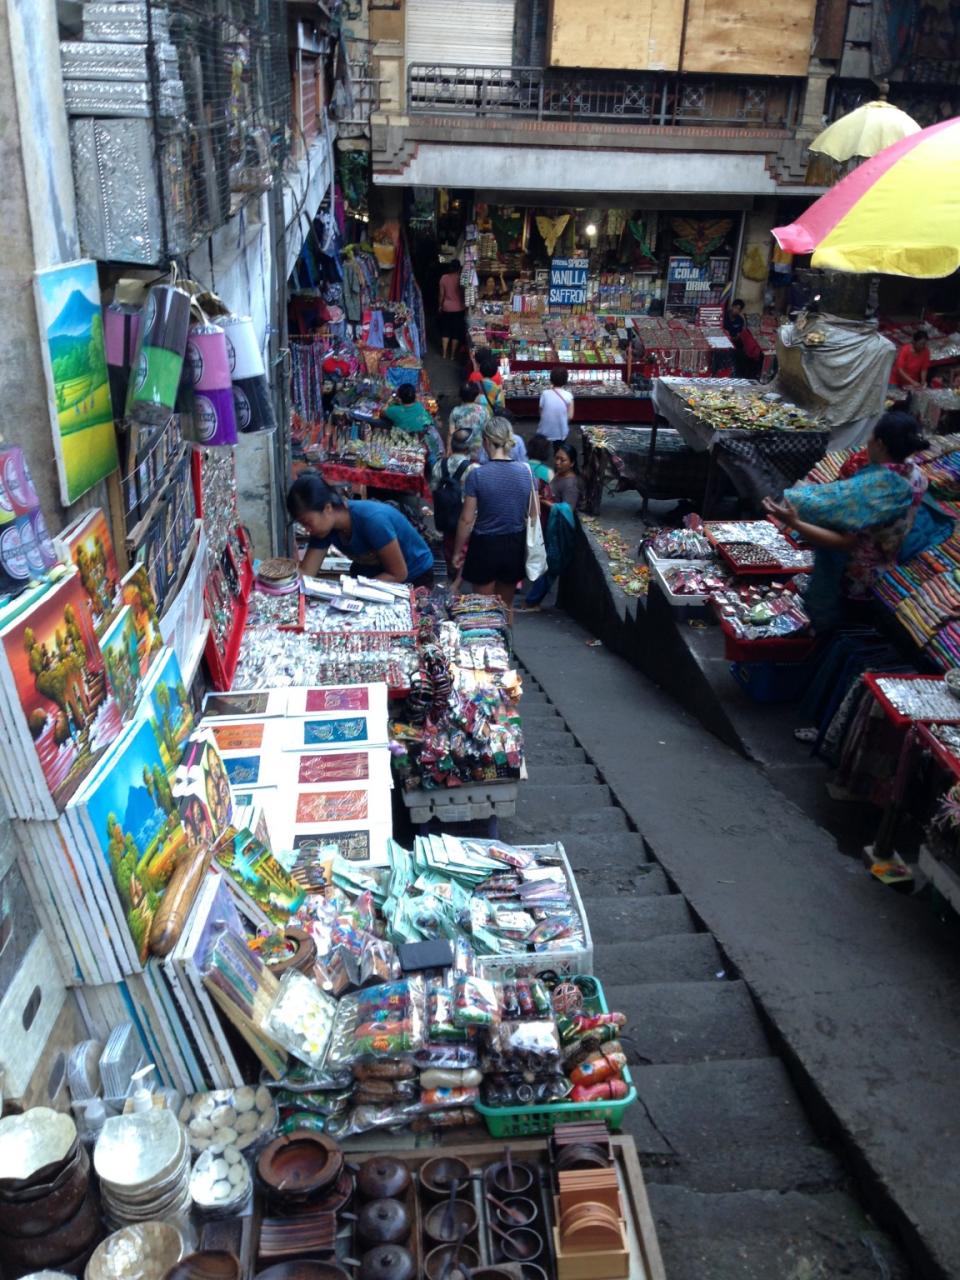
865 132
898 213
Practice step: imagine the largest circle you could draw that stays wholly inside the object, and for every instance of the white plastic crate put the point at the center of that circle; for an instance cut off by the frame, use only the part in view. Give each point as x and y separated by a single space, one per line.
463 804
680 600
568 960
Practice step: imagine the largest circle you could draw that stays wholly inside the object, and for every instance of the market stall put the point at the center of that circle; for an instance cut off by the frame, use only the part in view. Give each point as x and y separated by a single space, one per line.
760 440
656 462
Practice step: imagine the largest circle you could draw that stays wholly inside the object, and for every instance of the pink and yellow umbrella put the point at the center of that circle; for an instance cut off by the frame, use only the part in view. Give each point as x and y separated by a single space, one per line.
896 214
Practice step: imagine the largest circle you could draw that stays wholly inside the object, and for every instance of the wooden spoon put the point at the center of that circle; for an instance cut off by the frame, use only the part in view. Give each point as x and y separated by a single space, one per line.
514 1214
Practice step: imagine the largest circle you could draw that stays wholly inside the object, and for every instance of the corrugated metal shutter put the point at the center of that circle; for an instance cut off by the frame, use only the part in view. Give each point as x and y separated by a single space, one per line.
470 33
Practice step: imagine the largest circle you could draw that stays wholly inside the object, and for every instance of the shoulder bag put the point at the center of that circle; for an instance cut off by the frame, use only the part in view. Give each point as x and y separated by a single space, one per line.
535 564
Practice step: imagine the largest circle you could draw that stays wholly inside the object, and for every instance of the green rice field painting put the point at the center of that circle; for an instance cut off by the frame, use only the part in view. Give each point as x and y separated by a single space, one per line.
71 322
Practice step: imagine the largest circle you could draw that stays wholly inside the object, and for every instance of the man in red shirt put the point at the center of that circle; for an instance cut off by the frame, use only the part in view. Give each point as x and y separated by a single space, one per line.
912 362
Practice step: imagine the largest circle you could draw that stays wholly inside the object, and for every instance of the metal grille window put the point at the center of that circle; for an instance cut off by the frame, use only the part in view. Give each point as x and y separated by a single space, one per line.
180 110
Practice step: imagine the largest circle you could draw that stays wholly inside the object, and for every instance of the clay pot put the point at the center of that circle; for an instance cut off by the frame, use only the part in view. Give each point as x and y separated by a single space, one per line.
519 1204
444 1223
437 1174
382 1177
209 1264
388 1262
435 1263
512 1182
383 1222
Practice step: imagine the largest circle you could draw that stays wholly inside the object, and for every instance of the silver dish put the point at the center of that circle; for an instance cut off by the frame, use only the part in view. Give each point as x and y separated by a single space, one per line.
139 1150
37 1140
145 1251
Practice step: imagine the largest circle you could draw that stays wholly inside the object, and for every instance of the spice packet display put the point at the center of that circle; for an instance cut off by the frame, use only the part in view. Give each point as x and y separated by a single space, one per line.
680 544
762 613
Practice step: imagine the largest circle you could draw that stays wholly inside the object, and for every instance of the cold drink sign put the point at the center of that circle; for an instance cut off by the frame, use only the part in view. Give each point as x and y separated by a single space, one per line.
568 282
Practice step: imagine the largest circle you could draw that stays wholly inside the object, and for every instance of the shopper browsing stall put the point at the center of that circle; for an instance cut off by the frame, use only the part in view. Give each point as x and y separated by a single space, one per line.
453 311
469 415
556 408
857 525
448 481
497 499
489 379
380 541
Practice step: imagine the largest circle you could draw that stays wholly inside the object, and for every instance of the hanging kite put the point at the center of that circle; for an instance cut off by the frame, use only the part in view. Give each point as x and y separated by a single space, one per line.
552 229
700 236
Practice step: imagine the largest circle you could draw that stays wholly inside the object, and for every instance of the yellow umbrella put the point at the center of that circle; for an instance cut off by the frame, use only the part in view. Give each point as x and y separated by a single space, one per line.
865 131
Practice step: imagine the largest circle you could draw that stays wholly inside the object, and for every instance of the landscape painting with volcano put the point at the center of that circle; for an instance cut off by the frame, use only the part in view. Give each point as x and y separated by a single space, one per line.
68 305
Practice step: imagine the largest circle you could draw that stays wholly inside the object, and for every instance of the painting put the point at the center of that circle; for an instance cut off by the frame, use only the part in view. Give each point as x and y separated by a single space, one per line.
121 661
348 699
71 323
57 674
136 591
342 766
88 545
243 771
166 704
331 806
203 790
352 846
344 729
239 737
135 819
258 875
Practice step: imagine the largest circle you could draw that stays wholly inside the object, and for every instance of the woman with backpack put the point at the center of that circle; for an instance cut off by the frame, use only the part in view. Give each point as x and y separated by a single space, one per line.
449 477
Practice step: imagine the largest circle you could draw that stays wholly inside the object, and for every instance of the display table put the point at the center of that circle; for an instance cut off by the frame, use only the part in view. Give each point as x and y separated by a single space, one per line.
656 463
637 408
373 478
758 461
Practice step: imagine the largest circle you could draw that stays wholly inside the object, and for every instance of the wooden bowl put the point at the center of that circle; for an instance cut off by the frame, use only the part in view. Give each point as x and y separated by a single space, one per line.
38 1214
208 1264
435 1263
463 1215
73 1237
303 1269
299 1164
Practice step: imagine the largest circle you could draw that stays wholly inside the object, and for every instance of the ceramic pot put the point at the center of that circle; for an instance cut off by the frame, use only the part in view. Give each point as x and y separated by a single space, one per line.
382 1177
383 1222
387 1262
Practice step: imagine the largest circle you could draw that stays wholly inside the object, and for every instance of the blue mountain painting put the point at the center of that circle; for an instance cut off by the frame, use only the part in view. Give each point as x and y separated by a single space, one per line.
73 322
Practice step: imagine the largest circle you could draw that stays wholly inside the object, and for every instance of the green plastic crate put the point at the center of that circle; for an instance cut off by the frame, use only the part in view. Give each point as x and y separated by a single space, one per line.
533 1119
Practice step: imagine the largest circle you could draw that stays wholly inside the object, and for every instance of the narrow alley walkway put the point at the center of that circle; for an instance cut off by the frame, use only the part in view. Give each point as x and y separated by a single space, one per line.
666 829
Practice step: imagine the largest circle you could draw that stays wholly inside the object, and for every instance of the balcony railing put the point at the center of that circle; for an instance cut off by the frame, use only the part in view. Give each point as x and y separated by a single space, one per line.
546 94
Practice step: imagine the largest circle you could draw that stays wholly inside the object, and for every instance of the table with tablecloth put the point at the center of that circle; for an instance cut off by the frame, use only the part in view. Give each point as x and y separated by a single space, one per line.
622 457
758 462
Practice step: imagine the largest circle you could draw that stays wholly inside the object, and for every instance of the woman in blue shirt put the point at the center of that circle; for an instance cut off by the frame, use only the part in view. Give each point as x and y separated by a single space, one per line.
376 537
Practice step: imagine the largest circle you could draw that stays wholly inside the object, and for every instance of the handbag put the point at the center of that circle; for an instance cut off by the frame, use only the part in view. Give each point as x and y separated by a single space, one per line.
535 563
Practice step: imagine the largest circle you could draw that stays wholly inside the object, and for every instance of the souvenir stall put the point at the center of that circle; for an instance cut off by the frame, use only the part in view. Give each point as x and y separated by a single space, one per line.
357 335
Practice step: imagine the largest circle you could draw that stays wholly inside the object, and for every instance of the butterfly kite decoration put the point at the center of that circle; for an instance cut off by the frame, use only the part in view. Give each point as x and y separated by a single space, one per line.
700 236
552 229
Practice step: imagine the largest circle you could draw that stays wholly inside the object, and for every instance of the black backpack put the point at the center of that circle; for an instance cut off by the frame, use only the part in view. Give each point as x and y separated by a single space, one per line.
448 497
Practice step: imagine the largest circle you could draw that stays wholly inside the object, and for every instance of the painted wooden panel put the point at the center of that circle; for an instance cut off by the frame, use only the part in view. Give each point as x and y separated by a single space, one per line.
732 37
637 35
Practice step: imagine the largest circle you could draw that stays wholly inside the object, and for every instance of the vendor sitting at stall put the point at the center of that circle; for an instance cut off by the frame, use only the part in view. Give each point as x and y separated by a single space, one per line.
912 364
380 541
406 413
858 525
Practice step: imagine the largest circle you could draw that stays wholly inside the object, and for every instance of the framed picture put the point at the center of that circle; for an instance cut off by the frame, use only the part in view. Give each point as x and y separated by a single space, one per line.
75 363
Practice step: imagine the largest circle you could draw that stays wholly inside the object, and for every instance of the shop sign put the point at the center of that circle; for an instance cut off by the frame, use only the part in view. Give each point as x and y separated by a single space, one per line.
685 271
568 282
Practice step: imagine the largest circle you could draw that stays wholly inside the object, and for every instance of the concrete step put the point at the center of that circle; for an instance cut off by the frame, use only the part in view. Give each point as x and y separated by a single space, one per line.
799 1167
649 918
560 775
625 849
535 827
547 725
688 1021
554 753
552 803
613 919
682 957
764 1235
535 713
536 744
714 1107
604 881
